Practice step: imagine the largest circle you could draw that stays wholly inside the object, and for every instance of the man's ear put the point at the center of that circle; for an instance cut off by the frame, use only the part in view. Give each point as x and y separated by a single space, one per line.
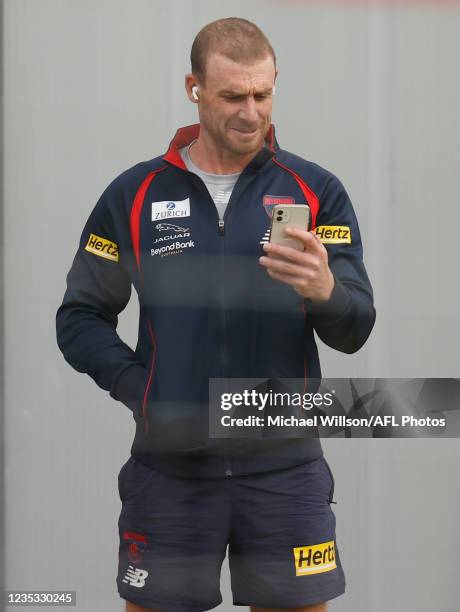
191 88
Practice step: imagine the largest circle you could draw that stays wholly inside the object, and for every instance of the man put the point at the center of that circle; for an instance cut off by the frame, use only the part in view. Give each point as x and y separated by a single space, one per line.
186 228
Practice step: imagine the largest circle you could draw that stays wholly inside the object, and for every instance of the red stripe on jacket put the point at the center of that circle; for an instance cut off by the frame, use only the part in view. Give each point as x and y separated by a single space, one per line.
135 217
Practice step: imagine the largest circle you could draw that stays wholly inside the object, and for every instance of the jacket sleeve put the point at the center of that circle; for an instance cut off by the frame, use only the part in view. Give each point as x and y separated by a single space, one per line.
98 289
345 321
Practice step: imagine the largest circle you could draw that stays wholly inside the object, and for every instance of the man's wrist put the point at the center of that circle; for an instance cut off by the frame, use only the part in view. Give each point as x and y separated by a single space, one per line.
337 304
327 290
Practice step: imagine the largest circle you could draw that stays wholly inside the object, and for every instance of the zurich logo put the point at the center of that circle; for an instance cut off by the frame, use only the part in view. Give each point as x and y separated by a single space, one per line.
170 205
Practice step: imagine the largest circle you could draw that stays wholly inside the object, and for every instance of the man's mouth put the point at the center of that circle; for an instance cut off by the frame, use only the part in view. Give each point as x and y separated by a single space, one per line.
245 131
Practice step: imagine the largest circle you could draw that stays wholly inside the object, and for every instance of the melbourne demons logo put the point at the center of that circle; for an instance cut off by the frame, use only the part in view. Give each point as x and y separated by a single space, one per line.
137 545
269 201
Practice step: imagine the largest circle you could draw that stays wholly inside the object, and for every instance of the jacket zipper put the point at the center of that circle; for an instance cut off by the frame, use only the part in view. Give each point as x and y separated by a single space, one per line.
228 469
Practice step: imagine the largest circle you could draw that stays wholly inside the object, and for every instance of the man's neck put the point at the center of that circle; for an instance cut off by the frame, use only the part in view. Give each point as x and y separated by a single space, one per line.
210 158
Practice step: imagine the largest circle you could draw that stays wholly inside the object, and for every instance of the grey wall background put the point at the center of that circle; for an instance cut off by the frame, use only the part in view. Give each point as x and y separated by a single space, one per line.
370 92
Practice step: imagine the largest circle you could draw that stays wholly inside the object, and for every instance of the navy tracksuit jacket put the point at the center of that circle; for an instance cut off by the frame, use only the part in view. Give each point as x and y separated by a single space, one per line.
208 309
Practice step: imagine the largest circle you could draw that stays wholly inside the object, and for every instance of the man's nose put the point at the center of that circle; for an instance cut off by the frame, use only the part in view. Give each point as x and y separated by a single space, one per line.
248 111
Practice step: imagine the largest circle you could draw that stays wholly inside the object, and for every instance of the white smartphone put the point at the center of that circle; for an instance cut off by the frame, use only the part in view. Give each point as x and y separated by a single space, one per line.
291 215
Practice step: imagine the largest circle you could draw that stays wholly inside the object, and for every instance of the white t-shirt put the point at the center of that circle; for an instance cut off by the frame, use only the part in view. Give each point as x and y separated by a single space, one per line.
220 186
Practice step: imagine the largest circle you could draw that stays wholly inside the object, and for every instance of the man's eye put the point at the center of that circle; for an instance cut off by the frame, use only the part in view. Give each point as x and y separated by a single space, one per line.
258 97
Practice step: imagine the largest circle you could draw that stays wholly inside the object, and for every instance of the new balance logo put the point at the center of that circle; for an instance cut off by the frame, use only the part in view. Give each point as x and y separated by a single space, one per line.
265 237
222 197
135 577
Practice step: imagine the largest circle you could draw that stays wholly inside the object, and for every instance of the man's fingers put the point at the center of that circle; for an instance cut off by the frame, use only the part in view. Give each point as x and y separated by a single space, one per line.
282 266
294 281
301 258
310 239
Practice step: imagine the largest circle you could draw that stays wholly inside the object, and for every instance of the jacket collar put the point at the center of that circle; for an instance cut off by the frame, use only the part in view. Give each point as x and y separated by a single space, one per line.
185 135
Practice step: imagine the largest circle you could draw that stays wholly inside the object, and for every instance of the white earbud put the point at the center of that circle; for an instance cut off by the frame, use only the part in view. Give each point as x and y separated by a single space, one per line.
194 94
273 90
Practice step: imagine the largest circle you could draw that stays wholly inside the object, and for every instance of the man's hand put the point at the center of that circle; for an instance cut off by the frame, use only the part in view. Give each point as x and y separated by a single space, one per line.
307 272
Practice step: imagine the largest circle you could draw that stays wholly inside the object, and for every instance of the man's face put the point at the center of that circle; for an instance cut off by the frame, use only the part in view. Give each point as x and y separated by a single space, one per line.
236 103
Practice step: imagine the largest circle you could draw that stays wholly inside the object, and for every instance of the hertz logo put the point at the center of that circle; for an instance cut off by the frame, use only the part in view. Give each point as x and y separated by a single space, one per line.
102 247
333 234
314 559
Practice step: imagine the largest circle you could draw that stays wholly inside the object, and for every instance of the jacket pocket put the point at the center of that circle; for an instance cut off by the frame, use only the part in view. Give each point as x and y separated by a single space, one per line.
331 493
122 478
138 411
130 386
134 480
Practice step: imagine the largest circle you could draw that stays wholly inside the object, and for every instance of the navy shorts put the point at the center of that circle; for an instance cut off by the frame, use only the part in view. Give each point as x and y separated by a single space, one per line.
279 527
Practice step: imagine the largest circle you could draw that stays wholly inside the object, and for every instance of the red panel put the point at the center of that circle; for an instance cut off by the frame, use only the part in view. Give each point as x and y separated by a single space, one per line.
185 135
182 138
151 374
135 217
